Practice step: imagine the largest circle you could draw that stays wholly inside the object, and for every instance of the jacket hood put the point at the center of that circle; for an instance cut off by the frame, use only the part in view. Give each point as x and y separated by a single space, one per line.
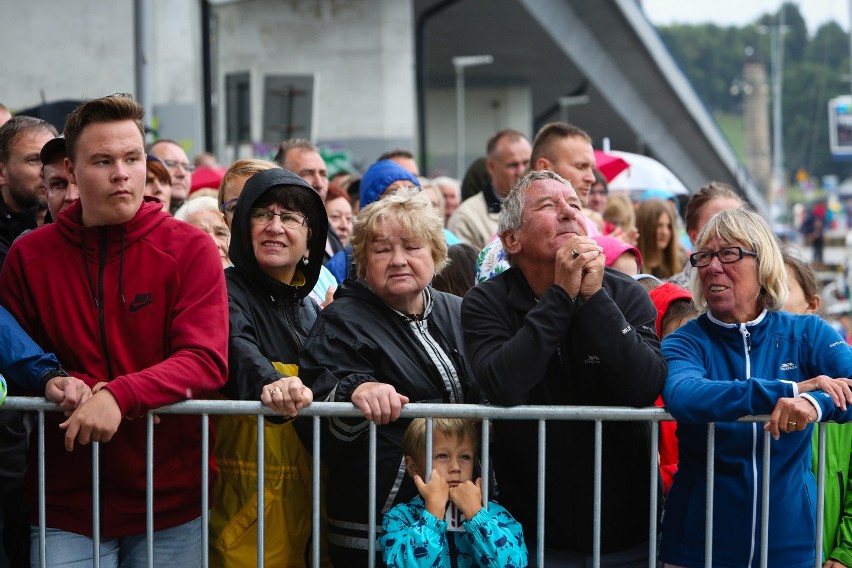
613 248
379 176
664 295
241 250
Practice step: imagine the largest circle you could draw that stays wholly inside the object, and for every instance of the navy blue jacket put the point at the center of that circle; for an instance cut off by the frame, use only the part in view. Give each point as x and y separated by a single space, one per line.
720 372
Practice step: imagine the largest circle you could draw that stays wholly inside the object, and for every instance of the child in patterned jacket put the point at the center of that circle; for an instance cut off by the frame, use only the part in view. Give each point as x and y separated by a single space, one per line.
428 530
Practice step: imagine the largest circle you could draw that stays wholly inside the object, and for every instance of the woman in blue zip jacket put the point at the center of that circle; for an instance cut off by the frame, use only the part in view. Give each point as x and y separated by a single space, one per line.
745 357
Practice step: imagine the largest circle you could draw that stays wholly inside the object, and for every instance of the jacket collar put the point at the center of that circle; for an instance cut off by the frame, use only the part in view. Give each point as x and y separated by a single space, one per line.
70 225
756 321
492 202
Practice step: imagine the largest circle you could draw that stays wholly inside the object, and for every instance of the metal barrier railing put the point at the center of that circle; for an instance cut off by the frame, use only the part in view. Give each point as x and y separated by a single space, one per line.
316 411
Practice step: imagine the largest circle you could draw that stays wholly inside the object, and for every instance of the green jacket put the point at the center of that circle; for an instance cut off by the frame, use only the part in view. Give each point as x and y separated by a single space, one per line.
837 531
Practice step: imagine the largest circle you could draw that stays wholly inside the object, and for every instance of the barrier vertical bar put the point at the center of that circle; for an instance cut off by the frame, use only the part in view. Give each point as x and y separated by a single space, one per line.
655 484
371 501
149 488
485 461
820 494
542 438
96 499
427 475
261 475
205 488
42 512
315 497
708 512
596 526
764 501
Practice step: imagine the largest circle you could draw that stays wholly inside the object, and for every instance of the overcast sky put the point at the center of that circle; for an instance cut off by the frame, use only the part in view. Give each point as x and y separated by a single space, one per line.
741 12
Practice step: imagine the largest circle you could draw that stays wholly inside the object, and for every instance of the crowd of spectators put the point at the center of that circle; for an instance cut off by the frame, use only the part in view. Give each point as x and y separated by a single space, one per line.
126 286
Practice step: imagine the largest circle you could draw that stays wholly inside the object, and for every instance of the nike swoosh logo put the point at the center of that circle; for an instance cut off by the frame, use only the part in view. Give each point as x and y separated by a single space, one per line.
139 305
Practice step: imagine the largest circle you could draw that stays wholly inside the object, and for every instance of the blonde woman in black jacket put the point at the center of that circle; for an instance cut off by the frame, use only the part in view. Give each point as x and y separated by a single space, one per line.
387 340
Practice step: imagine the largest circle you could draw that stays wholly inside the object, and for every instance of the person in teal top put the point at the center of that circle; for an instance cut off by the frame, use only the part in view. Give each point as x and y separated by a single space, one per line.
837 514
446 525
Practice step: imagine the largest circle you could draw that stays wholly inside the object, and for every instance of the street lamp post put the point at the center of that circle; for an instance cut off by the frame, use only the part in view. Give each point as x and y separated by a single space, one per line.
461 63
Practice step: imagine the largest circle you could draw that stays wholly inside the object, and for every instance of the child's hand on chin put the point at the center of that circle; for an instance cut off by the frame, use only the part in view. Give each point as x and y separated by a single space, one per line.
467 496
435 493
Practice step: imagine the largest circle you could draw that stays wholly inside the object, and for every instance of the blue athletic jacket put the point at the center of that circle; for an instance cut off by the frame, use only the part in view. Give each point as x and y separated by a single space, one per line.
414 537
21 360
720 372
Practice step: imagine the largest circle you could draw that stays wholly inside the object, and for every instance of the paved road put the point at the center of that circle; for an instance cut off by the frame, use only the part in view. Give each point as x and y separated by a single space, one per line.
836 256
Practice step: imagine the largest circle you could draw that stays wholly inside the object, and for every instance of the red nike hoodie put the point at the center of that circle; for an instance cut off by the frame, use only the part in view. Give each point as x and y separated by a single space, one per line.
141 305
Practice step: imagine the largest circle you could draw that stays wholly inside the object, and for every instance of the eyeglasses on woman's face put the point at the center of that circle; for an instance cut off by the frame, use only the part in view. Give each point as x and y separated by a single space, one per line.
228 207
289 219
725 255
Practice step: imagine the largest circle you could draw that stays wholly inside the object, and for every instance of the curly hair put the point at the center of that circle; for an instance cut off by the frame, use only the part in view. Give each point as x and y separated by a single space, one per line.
413 210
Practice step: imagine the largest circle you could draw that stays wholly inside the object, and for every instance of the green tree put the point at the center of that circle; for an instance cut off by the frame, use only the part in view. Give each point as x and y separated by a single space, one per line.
712 58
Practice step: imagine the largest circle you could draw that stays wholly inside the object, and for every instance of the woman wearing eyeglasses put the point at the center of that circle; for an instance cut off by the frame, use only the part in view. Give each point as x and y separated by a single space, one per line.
745 357
278 235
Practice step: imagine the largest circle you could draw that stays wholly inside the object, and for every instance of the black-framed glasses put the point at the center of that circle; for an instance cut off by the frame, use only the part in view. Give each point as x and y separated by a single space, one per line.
174 164
228 207
725 255
289 219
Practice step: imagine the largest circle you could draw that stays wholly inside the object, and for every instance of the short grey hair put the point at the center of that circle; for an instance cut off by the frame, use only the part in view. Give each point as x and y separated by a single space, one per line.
512 211
194 205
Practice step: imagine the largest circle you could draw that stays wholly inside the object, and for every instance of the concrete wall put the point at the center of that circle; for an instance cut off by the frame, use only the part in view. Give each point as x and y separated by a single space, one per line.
76 49
487 111
361 54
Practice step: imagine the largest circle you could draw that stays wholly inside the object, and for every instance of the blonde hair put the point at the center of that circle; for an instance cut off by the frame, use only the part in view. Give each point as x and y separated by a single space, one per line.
243 168
414 212
746 227
414 439
619 211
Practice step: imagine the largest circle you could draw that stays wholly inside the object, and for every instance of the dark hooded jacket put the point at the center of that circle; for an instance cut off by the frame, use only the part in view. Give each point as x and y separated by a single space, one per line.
269 321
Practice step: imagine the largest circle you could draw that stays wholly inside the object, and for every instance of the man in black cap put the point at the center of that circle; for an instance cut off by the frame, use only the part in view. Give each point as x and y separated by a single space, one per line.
61 192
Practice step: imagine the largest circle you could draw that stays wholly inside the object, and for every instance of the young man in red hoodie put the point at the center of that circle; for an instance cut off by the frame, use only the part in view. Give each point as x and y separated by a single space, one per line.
133 303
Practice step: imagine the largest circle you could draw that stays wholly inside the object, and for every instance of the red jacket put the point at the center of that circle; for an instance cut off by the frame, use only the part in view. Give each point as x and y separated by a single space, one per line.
142 305
663 296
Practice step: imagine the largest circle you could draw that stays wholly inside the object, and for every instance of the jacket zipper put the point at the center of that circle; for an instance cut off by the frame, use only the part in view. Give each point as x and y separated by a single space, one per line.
291 326
455 389
107 359
100 302
842 485
746 337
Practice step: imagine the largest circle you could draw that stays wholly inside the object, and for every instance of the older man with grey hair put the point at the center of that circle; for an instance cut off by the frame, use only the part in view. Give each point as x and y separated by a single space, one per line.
558 328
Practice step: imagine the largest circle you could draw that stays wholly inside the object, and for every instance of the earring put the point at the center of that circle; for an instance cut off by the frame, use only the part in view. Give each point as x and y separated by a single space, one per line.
305 261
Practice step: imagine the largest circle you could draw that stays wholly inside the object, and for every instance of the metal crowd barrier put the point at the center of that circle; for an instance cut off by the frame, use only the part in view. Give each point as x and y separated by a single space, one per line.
316 411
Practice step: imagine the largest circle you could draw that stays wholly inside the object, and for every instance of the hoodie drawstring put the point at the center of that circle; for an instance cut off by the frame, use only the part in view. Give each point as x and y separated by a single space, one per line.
89 275
86 269
121 268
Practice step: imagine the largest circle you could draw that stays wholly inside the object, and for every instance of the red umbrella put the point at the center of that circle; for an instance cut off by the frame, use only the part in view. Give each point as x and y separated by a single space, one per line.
609 165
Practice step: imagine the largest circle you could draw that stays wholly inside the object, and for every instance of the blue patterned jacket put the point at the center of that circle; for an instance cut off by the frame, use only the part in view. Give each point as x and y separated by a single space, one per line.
414 537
